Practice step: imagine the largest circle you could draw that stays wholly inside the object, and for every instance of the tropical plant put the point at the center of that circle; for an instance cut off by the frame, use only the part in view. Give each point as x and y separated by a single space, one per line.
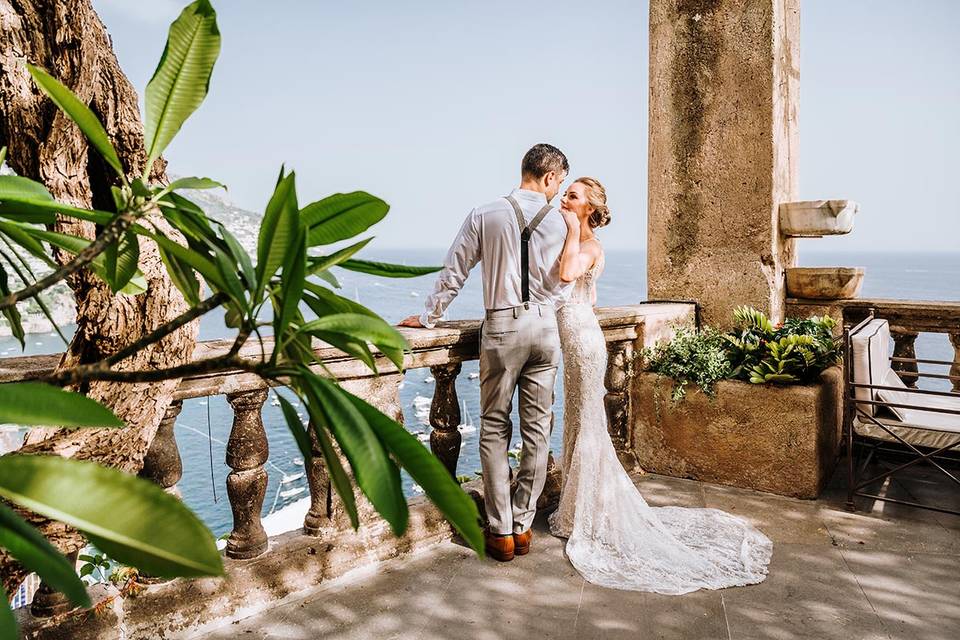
692 356
793 352
796 351
290 280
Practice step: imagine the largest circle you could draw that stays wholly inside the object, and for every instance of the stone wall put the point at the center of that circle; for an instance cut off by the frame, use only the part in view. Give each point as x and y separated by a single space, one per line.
724 81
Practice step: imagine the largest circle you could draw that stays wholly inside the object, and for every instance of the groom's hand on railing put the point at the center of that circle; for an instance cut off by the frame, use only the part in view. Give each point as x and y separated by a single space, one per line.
412 321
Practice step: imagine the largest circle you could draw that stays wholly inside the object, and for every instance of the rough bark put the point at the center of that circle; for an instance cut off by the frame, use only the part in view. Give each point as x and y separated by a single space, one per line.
67 38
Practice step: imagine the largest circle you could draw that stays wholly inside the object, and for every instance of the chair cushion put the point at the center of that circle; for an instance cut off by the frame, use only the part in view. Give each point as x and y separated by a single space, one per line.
871 360
891 379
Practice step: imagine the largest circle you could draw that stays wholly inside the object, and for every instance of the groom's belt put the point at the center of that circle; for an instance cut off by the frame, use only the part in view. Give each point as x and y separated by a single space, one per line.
523 309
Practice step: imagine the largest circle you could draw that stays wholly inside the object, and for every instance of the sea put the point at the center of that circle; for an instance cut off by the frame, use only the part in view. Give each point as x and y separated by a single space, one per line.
203 427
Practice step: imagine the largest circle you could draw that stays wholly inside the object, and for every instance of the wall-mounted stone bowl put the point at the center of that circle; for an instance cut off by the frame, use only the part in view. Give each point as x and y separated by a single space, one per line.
816 218
824 283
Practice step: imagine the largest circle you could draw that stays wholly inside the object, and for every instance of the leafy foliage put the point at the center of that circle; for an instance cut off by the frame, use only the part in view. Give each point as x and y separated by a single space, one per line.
126 517
692 356
794 352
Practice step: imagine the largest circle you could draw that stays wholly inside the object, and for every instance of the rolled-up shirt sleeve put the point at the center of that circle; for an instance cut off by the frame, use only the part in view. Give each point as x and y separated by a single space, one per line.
463 255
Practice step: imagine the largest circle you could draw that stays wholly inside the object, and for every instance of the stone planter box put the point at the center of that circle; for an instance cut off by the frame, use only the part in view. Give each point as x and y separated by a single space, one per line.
780 439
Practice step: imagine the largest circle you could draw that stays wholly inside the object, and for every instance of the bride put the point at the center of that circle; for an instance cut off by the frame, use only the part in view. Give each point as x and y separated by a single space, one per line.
614 539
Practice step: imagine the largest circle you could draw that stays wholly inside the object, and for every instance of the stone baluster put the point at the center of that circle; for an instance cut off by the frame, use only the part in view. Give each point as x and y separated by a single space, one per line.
955 368
162 463
617 400
445 438
247 451
321 492
50 602
904 346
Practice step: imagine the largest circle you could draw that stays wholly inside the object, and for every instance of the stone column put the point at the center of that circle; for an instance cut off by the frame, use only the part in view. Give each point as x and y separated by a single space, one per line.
162 463
724 81
905 346
955 368
445 439
247 451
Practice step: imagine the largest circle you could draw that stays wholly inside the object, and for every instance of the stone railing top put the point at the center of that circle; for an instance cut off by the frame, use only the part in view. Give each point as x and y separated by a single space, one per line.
449 342
937 316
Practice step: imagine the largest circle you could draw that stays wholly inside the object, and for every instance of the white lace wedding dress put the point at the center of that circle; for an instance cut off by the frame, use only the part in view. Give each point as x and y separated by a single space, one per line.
614 539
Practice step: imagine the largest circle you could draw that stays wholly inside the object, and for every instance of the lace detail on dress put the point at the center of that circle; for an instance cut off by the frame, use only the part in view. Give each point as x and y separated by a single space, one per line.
614 538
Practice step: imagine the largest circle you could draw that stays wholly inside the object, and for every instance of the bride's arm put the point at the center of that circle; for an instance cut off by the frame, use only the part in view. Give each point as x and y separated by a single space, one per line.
575 258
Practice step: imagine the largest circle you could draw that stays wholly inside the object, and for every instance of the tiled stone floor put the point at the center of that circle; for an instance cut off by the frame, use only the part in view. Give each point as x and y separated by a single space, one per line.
884 572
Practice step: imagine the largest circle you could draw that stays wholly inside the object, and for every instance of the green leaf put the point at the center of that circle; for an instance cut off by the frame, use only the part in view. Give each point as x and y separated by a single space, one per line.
120 261
239 254
342 216
349 345
327 302
182 78
362 327
43 405
132 520
277 231
321 263
386 269
18 236
41 211
135 285
182 276
194 259
376 474
8 624
36 554
296 428
338 476
79 113
292 279
20 187
190 183
11 313
426 471
327 277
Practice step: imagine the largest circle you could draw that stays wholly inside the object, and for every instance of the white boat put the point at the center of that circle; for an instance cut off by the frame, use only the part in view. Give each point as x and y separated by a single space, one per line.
289 493
473 375
292 477
297 461
429 380
466 426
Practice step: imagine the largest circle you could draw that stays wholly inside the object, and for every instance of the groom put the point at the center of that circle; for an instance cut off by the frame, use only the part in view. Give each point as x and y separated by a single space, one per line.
518 239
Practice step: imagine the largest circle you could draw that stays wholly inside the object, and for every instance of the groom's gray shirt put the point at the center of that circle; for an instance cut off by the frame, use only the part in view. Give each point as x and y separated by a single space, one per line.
490 234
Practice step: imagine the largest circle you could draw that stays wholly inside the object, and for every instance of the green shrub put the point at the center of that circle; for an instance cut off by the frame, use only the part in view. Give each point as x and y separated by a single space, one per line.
793 352
697 357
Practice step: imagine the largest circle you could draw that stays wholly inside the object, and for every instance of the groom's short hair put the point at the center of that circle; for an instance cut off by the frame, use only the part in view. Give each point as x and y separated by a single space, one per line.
542 159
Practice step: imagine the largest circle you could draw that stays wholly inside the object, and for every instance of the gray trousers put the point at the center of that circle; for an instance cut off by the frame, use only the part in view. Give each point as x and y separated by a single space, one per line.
519 348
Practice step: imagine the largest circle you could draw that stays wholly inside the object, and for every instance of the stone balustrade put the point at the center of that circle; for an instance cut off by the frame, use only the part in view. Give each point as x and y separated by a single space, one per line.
442 350
908 319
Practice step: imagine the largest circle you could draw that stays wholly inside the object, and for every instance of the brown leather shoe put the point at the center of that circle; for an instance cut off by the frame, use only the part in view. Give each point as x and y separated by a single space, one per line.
500 547
521 542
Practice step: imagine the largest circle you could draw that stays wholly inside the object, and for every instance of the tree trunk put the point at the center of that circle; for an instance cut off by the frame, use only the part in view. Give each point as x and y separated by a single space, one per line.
67 38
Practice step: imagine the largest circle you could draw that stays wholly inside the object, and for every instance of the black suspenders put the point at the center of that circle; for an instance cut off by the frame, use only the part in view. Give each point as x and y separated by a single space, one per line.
526 230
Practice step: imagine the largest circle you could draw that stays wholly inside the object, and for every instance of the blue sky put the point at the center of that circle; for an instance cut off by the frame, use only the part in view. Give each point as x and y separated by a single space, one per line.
430 105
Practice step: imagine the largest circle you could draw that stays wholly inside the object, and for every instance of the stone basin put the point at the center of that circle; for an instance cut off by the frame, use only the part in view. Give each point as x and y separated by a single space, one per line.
824 283
816 218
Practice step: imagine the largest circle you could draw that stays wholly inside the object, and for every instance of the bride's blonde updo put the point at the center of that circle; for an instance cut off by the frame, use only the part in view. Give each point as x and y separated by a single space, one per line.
597 197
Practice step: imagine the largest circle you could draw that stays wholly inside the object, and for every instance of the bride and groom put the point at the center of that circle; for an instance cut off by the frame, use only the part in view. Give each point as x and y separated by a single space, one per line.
539 271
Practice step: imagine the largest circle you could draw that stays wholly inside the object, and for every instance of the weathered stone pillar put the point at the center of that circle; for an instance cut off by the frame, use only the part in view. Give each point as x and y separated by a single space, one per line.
445 439
162 463
905 346
724 81
955 368
247 452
